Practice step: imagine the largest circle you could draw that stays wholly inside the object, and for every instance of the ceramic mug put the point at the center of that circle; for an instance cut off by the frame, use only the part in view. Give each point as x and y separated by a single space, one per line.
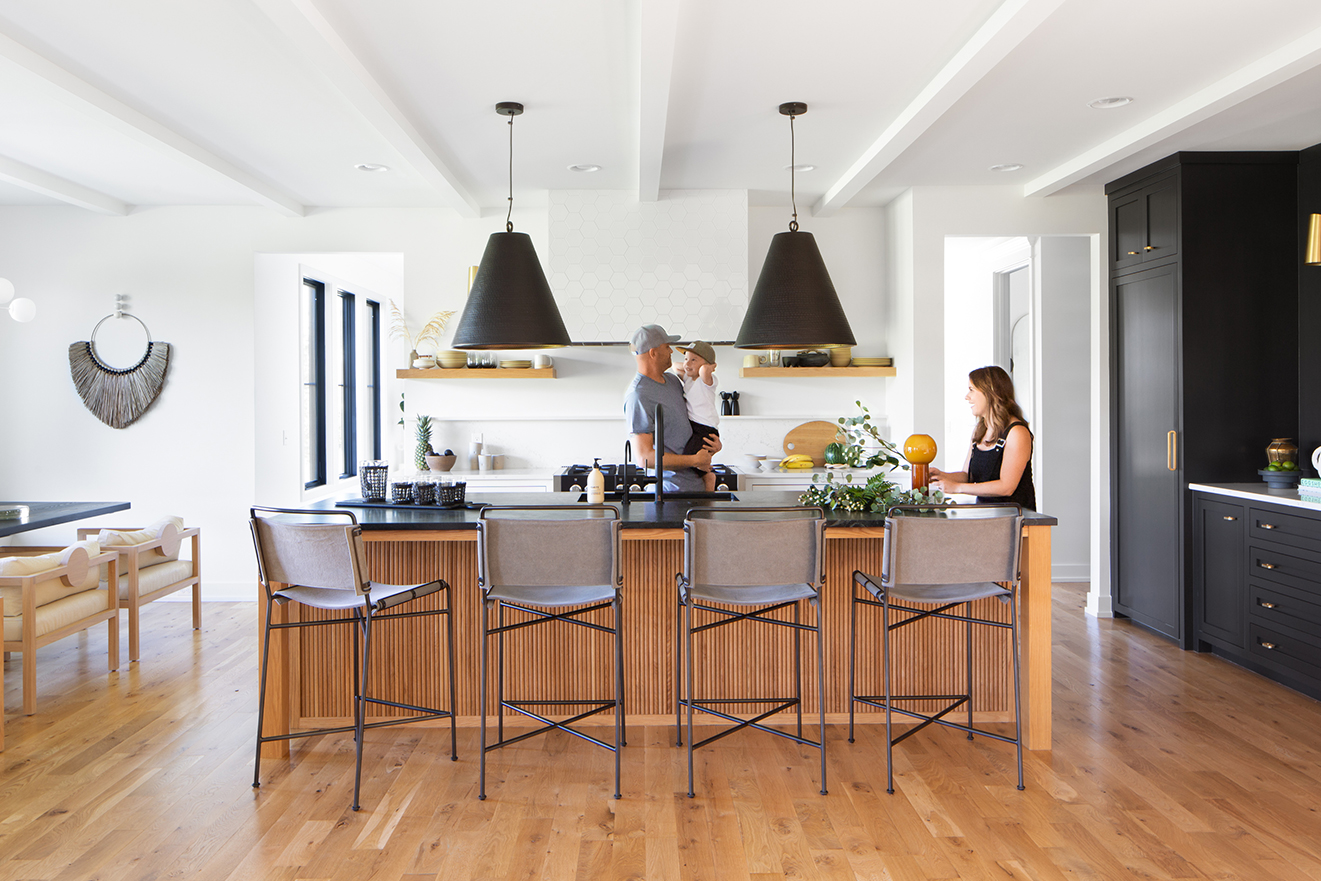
1316 459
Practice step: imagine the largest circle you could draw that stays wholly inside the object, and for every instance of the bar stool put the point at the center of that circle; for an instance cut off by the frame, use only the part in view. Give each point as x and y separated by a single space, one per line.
560 567
759 560
940 556
322 564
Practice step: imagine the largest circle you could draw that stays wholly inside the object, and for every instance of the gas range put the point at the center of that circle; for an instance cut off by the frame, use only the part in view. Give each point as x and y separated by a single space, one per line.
574 478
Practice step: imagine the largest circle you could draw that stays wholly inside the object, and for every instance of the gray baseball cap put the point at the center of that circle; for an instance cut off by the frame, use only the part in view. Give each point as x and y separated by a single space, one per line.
648 337
701 349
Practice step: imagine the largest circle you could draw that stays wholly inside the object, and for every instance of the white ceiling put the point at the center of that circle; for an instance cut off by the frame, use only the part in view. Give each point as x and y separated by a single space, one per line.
131 103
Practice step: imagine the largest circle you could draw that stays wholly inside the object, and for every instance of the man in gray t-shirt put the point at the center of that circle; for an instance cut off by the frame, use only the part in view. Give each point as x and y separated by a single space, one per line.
652 386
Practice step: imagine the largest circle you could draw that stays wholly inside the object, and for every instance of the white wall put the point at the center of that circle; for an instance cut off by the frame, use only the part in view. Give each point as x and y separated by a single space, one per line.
220 284
920 220
1062 266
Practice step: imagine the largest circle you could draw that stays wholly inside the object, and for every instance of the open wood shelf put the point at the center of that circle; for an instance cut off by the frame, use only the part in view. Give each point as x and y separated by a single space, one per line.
837 372
478 373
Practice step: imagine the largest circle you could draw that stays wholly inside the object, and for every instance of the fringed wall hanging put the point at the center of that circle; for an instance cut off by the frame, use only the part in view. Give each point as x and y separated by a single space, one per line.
118 396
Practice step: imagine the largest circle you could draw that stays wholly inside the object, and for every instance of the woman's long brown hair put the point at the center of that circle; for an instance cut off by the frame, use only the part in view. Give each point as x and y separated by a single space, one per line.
999 390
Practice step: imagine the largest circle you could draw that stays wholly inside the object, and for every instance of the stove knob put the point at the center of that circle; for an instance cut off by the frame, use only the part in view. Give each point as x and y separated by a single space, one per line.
635 488
575 488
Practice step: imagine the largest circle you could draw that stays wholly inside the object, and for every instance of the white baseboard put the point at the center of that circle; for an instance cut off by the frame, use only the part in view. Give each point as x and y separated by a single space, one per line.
1070 572
218 592
1099 605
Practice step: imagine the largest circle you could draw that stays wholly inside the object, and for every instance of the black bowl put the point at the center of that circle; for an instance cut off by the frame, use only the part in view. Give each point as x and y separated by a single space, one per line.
1280 479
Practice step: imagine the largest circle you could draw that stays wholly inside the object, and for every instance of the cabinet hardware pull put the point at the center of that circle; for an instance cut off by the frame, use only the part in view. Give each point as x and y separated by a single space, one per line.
1133 253
1227 517
1265 605
1267 565
1172 451
1267 525
1149 248
1266 645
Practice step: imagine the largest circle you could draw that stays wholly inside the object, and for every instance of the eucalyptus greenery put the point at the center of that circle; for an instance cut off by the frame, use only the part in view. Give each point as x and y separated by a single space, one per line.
877 494
863 433
866 449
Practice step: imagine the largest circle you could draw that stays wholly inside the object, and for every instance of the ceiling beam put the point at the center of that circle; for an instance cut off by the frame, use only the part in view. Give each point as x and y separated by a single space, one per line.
323 49
1008 26
87 98
660 24
1266 72
43 182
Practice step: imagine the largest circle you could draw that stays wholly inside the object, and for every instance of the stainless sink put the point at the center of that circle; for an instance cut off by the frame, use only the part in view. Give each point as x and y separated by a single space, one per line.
669 496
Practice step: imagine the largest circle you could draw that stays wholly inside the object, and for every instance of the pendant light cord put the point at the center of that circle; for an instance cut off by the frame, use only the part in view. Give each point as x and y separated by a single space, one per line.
793 195
509 223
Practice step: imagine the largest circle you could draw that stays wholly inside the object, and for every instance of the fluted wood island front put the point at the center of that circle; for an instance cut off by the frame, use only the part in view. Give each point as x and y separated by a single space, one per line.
309 679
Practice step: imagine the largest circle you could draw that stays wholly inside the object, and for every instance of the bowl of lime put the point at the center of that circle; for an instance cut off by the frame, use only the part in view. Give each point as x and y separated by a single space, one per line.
1281 475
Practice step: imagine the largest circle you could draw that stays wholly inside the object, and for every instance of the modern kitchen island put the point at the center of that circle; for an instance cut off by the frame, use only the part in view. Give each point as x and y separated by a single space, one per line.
309 679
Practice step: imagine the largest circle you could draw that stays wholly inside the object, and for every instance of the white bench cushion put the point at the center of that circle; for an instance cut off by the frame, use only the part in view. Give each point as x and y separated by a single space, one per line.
52 589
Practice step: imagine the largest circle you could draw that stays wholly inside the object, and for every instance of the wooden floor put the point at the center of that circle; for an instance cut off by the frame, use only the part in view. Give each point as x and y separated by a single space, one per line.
1166 765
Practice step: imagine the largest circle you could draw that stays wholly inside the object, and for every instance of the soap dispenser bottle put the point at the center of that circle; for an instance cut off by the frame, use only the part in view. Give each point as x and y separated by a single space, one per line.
596 484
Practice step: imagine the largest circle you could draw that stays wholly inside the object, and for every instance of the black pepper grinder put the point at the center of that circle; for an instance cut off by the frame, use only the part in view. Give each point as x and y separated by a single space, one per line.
733 404
726 406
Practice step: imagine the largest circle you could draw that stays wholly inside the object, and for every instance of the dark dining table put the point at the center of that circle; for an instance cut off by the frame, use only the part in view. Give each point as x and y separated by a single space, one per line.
42 514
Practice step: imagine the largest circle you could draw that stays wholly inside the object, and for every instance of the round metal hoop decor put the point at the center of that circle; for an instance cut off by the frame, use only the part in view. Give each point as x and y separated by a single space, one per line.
118 396
102 364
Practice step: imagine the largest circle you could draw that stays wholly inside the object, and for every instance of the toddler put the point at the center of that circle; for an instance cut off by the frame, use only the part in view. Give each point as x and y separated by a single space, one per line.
698 372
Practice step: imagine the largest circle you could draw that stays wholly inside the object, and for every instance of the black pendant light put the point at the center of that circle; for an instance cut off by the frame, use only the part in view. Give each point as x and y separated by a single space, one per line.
794 305
510 305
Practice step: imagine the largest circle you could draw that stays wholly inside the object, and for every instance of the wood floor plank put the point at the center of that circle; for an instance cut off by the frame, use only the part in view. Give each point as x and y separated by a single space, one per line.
1166 764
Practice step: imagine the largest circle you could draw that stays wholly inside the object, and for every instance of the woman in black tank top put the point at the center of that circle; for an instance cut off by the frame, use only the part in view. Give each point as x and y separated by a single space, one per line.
999 463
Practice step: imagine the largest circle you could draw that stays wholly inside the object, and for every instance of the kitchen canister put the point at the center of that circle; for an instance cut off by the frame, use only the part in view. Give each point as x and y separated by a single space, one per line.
401 492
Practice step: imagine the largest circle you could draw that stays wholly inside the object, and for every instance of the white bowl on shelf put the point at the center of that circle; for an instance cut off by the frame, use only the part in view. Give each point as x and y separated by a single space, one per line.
770 464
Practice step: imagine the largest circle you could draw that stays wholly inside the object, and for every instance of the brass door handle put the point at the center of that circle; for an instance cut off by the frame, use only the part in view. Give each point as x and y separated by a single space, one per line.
1172 451
1149 248
1267 525
1265 605
1227 517
1266 645
1267 565
1133 253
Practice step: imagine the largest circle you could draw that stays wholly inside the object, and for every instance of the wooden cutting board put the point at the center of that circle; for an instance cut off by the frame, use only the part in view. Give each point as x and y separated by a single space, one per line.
811 439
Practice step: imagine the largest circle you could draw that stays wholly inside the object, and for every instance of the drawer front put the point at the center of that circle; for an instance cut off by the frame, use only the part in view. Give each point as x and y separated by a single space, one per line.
1285 566
1294 530
1279 607
1277 646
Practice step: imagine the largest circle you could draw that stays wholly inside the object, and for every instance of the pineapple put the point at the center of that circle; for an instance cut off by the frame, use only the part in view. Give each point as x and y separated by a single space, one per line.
423 443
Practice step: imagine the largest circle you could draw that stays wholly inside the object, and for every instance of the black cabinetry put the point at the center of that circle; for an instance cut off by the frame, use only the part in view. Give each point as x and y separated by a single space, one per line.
1204 355
1258 587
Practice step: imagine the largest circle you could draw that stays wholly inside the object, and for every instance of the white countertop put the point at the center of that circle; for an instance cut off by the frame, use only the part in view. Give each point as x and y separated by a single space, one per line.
1257 492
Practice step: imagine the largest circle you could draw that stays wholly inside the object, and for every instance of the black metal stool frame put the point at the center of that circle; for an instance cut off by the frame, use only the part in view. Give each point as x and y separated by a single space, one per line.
683 659
362 617
886 701
541 616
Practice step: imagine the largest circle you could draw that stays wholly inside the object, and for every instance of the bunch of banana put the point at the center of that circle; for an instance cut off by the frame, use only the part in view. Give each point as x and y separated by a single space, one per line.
796 462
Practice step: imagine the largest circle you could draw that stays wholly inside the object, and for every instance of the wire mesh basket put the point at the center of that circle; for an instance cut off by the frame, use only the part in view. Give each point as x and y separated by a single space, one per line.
452 493
401 491
373 478
424 492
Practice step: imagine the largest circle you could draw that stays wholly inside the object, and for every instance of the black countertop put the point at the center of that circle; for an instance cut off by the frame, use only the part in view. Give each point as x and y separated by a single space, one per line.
42 514
636 515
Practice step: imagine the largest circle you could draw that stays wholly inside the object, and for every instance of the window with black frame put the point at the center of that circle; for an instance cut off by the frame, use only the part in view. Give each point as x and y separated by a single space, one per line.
340 345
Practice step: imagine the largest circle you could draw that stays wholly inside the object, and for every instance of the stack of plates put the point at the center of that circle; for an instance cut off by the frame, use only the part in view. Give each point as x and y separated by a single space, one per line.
515 364
873 362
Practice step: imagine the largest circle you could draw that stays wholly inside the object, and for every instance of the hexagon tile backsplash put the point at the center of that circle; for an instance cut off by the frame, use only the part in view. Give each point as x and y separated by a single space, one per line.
617 263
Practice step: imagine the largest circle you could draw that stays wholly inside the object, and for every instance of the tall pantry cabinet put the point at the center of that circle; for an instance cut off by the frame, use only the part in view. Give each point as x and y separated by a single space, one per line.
1204 355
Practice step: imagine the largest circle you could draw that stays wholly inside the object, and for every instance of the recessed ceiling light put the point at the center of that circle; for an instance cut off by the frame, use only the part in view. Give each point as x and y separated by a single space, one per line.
371 166
1008 166
802 166
586 169
1111 102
